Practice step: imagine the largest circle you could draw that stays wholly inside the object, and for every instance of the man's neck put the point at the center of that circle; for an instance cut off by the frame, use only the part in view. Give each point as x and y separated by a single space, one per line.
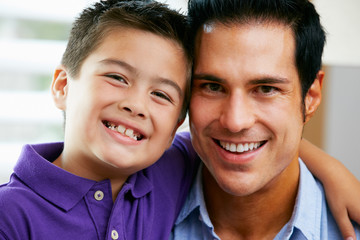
260 215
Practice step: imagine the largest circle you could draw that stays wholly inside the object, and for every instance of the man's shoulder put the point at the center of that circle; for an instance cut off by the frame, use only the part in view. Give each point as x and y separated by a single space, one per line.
328 224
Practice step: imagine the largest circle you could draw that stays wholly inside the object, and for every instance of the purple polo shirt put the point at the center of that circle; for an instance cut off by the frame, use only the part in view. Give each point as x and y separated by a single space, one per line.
42 201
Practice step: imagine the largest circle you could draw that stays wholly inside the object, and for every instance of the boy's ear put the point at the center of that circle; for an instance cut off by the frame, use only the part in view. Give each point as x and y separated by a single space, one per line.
174 132
313 96
59 87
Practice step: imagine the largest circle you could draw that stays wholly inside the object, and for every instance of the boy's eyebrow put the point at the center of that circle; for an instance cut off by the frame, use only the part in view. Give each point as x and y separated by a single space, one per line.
171 83
120 63
134 70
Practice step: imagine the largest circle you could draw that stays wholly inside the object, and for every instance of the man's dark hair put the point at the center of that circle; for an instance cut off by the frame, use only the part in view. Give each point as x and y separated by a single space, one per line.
299 15
96 22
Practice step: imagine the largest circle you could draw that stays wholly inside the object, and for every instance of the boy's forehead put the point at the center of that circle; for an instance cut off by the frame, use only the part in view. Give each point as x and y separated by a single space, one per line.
109 31
133 48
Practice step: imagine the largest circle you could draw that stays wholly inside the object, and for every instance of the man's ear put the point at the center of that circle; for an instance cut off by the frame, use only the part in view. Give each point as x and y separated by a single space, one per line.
59 87
313 96
174 132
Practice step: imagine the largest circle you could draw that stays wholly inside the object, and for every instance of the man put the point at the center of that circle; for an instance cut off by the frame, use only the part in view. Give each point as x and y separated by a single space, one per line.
256 82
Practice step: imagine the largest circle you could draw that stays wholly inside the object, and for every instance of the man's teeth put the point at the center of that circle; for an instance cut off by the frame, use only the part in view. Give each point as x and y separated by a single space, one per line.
241 147
123 130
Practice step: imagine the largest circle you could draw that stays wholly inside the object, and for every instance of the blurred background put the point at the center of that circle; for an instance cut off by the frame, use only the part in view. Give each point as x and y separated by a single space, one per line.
33 37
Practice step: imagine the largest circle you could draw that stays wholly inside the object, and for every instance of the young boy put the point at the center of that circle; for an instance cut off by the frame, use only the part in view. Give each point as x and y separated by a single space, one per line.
123 83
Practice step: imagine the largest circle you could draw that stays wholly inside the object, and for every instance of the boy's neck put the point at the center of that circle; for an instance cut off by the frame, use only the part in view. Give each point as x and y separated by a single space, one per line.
116 180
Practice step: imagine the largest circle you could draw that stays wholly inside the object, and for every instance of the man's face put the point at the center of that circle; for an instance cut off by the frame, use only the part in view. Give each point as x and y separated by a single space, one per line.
246 108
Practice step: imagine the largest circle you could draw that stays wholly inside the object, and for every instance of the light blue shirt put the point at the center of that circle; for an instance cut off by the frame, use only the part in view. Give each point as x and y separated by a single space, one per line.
311 218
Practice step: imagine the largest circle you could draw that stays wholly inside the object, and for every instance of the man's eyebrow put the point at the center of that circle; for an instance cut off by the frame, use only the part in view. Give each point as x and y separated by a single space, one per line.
256 81
207 77
269 80
135 71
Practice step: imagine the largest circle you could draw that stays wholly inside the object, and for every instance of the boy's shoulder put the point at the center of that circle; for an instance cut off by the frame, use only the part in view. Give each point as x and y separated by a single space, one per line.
181 151
182 138
182 142
16 205
16 196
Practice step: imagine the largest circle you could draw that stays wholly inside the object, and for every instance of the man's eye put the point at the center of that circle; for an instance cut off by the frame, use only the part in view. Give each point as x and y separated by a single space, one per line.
266 89
162 95
213 87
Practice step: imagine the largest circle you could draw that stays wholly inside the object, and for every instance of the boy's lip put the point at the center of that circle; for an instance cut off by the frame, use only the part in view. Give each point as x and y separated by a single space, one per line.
125 129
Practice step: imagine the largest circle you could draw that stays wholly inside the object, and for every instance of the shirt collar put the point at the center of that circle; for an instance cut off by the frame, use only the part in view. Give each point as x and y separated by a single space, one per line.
195 200
306 216
58 186
139 184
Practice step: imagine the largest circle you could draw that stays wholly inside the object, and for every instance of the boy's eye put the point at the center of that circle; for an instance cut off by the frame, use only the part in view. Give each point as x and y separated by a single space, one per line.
116 77
162 95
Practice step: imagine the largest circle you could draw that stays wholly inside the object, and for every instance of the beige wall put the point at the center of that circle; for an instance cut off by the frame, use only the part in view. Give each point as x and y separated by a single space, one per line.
341 20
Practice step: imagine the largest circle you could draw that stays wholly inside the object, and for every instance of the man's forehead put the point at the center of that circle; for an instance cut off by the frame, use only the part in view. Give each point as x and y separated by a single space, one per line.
208 27
260 51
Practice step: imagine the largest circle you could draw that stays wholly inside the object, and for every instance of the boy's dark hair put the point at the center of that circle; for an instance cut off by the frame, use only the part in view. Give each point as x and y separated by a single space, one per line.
299 15
96 22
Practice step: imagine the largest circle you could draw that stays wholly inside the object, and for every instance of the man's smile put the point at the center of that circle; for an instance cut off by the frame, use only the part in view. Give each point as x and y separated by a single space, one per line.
240 147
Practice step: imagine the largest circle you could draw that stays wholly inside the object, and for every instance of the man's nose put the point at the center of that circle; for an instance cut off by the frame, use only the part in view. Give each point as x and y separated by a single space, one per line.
237 113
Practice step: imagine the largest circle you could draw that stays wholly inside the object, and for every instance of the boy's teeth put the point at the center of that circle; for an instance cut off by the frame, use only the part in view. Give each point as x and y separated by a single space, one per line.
123 130
232 147
129 132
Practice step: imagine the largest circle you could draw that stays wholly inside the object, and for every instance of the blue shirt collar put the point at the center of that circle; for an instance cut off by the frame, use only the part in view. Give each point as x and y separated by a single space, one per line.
306 218
195 202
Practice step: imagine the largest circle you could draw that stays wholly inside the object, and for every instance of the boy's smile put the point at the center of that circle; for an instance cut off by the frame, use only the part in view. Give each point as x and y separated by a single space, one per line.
123 109
131 133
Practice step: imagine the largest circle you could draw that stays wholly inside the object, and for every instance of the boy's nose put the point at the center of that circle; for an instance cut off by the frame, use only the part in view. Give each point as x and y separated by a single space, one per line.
134 105
134 111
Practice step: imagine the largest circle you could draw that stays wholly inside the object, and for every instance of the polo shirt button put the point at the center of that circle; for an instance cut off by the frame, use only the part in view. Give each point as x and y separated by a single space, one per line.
99 195
114 234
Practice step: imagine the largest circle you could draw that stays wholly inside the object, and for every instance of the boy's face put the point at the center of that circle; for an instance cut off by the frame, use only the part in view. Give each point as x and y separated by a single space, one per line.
122 110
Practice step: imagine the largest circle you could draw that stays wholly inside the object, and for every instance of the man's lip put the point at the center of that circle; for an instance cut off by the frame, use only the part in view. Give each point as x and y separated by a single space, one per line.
233 159
239 147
